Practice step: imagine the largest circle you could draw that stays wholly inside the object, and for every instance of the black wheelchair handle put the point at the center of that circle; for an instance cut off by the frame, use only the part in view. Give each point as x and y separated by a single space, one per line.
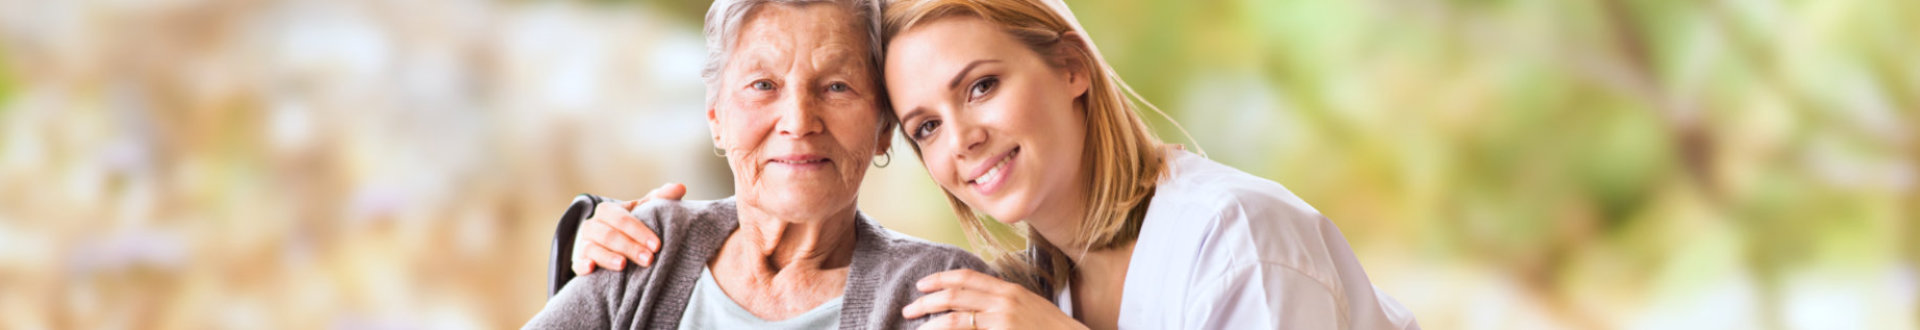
560 260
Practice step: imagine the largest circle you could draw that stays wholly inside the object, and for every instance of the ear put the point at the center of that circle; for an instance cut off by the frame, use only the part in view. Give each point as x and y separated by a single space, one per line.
1074 51
713 126
886 140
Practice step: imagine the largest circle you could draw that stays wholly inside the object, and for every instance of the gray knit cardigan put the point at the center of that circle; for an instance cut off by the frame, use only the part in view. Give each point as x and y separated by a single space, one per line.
881 282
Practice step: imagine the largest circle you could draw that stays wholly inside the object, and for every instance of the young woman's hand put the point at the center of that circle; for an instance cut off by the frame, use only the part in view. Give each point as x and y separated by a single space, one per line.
981 301
613 236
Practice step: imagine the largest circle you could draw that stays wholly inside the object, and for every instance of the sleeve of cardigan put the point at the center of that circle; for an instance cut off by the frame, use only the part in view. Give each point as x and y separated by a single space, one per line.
583 304
934 259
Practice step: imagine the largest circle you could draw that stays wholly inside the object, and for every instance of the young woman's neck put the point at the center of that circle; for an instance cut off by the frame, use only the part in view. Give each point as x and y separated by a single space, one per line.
1060 224
1058 218
1099 275
1099 284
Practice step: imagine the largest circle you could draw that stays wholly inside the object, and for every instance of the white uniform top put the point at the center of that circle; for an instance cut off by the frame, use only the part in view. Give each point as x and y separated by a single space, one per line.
1223 249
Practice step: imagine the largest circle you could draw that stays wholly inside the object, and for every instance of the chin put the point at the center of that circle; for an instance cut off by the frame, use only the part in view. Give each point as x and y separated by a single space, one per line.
802 202
1004 211
1012 218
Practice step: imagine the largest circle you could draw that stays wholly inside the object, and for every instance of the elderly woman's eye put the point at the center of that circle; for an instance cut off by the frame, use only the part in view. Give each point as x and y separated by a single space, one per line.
838 87
982 87
762 85
925 129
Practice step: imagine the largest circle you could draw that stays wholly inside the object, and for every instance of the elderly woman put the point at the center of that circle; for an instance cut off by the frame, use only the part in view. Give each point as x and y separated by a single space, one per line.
794 100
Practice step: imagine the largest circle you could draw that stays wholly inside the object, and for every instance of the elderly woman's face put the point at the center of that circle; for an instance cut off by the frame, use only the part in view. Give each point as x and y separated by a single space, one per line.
797 111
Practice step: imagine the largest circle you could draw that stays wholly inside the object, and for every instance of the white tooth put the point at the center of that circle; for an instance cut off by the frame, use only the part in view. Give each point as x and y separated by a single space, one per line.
991 173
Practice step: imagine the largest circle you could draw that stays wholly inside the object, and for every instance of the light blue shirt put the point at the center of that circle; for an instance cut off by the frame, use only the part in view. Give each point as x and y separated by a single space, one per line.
710 308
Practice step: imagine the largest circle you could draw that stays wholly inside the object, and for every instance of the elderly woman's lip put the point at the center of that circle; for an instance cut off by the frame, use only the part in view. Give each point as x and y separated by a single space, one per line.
800 160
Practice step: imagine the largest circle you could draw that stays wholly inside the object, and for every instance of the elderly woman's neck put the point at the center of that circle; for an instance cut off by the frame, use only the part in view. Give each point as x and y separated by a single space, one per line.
780 243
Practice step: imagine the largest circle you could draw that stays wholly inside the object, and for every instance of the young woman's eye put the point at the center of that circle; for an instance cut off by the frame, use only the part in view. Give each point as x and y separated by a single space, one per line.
839 87
762 85
982 87
925 129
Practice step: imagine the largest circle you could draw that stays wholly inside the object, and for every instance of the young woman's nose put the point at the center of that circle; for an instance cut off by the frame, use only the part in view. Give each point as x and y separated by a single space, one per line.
968 137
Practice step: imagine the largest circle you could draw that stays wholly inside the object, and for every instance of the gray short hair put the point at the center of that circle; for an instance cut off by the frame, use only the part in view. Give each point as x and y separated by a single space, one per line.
725 17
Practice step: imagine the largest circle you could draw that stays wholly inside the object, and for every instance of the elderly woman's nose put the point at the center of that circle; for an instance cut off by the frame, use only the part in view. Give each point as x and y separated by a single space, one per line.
801 117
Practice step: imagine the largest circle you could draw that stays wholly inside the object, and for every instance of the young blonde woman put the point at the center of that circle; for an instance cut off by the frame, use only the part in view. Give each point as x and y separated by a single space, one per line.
1016 115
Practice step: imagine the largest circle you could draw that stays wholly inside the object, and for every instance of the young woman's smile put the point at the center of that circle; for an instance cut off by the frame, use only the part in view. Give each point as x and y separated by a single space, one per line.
993 172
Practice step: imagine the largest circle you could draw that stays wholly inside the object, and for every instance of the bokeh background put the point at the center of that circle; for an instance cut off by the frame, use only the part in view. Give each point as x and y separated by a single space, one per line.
1596 164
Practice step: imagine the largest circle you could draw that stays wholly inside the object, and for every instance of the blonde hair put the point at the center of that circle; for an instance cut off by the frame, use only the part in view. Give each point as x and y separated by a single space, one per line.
1123 157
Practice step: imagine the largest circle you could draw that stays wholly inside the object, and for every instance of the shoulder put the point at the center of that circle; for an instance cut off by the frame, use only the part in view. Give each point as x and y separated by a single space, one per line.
586 302
1232 233
678 219
912 256
670 212
1194 180
886 264
1240 220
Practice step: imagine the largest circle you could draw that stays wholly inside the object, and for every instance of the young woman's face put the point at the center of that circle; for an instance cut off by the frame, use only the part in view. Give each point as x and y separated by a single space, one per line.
995 121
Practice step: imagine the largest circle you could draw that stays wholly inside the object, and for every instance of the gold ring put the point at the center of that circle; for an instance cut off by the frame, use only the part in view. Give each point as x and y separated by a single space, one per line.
970 324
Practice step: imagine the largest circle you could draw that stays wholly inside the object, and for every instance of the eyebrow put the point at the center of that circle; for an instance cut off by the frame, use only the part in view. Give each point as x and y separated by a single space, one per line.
911 115
963 72
749 64
917 111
